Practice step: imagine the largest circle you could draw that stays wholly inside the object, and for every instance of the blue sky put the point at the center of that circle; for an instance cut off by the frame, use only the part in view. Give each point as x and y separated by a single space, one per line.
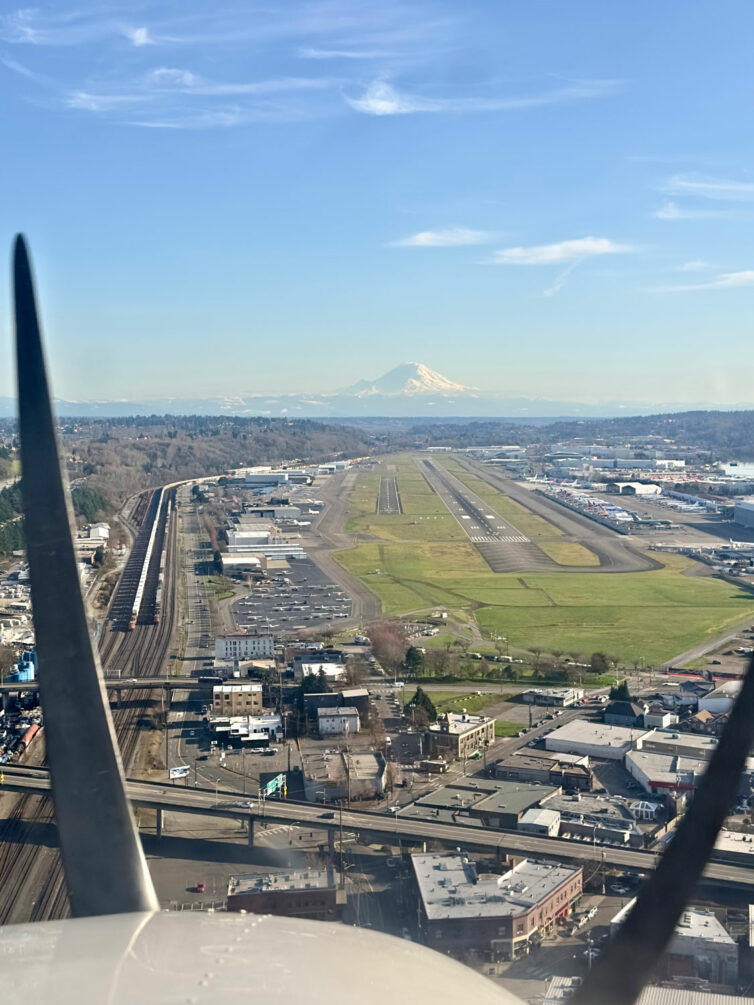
537 198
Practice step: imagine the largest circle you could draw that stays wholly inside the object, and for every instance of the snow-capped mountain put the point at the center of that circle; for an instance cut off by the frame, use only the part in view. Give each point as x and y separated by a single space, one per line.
408 379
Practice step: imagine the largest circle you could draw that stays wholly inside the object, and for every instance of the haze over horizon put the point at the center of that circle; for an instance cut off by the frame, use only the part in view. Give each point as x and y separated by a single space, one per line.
299 198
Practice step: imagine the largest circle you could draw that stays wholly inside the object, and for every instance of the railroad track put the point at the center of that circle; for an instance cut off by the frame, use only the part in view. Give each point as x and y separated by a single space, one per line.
23 863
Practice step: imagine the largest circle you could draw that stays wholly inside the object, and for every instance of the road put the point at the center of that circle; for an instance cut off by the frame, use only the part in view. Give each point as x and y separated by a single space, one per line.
381 826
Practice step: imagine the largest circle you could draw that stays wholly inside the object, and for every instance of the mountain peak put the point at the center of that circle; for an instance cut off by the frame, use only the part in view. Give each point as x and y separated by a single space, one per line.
408 379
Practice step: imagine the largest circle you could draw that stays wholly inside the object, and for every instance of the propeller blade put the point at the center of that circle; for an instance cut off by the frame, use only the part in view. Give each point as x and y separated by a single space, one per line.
105 868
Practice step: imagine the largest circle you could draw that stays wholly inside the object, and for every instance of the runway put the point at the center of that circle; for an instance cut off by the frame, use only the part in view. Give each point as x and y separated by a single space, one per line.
503 547
388 498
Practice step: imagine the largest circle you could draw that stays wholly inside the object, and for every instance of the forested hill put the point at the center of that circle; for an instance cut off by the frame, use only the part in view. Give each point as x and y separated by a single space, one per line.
117 457
724 433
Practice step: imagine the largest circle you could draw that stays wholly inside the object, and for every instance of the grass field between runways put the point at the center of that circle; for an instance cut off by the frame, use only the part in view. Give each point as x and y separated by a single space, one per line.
652 615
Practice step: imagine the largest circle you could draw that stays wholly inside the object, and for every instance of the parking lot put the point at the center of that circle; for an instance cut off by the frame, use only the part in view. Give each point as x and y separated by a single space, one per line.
291 600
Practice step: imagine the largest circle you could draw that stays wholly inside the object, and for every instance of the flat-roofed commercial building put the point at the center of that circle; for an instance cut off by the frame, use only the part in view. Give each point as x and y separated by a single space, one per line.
460 735
242 646
310 893
571 771
560 697
546 823
669 741
237 699
480 802
662 774
498 916
595 739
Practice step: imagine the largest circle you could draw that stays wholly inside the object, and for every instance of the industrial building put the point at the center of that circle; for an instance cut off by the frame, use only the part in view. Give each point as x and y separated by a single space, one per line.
594 739
501 917
237 699
460 735
310 893
243 646
338 721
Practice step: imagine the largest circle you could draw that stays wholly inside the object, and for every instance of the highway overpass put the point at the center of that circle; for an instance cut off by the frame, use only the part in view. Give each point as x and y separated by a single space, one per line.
383 827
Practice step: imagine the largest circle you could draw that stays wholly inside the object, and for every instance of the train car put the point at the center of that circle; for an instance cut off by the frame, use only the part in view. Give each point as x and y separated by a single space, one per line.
158 603
136 608
29 735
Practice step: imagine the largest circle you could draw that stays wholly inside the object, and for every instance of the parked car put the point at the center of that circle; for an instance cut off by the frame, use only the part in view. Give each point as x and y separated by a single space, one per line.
200 887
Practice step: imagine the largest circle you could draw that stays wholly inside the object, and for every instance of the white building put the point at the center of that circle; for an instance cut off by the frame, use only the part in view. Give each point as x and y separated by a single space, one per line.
595 739
337 721
99 532
305 668
546 823
721 699
743 511
247 730
244 647
561 697
661 774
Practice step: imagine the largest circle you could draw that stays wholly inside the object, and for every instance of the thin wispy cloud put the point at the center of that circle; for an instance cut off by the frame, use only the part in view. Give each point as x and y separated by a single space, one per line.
564 251
696 265
382 98
312 53
723 189
562 278
672 211
24 71
447 237
725 281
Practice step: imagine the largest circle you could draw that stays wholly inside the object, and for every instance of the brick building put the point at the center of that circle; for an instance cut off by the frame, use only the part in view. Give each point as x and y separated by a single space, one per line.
500 917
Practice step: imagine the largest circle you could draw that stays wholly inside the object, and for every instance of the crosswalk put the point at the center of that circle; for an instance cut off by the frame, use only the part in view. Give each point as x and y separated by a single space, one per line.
497 538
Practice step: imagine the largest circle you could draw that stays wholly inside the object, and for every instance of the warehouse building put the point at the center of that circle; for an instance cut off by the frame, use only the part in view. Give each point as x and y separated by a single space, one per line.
310 893
594 739
501 917
460 736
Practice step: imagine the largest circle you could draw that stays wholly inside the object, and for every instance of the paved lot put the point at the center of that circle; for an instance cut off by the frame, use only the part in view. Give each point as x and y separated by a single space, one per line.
298 598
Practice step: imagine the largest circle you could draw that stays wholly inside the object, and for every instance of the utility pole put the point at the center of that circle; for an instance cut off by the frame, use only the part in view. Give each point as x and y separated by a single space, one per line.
342 869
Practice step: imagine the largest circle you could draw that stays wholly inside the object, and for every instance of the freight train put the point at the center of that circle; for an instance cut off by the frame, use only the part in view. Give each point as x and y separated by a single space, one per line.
163 563
145 567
